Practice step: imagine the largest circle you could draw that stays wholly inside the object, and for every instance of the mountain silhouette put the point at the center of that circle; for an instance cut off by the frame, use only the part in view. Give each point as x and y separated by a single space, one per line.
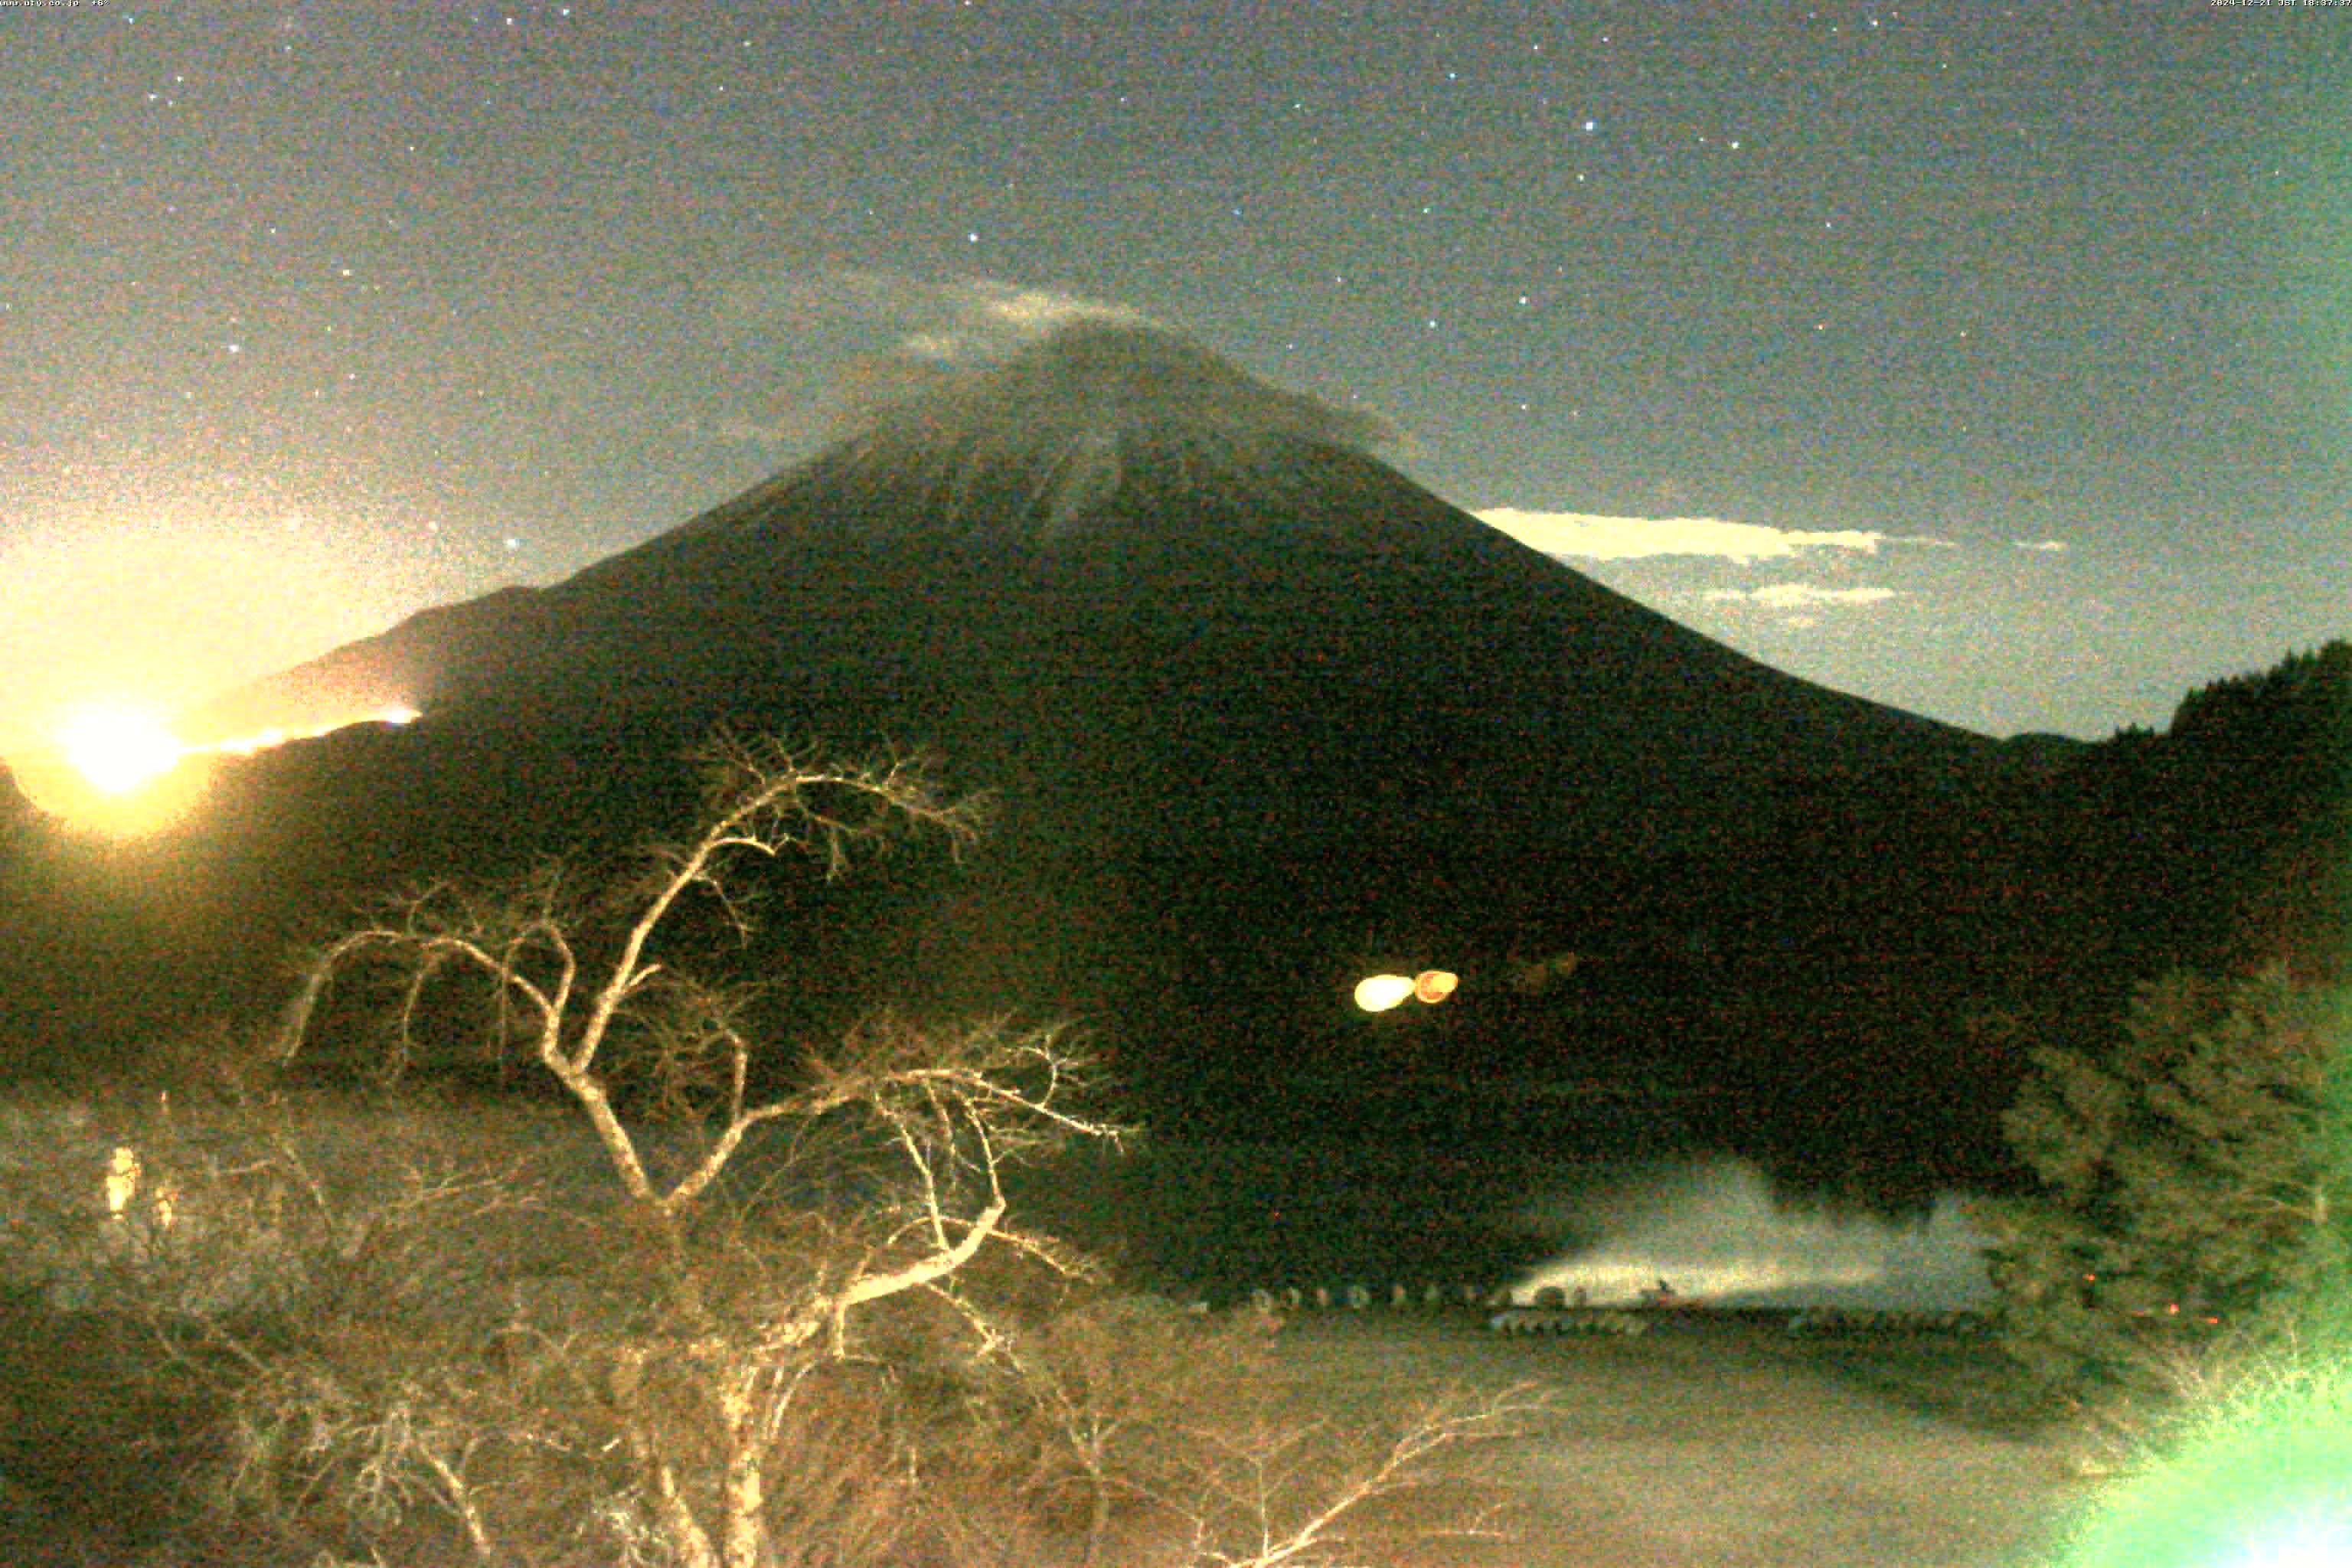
1115 560
1257 711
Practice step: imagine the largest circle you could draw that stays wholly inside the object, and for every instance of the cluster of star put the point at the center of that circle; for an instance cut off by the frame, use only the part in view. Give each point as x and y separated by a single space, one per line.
480 288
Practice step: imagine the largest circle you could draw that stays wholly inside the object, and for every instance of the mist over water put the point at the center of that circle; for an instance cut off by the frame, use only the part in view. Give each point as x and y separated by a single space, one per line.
1222 1219
1711 1230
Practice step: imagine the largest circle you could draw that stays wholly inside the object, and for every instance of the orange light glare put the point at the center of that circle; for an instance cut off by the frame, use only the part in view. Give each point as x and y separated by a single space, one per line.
277 735
1435 986
120 771
117 750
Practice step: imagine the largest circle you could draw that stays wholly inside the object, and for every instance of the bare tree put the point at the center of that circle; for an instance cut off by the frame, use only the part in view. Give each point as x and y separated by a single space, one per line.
796 1327
1185 1442
703 1394
1281 1494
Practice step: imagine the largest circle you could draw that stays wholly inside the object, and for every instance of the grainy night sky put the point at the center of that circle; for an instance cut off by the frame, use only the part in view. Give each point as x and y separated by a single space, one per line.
1994 361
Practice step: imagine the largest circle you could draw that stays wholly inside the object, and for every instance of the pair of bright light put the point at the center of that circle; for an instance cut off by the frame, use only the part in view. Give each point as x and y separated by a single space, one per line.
1379 993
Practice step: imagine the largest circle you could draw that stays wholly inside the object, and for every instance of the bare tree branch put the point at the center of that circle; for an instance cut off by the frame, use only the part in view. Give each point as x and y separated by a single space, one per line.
594 1000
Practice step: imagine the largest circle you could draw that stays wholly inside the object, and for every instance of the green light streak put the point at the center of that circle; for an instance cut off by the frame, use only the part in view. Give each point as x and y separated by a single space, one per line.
2266 1483
2263 1479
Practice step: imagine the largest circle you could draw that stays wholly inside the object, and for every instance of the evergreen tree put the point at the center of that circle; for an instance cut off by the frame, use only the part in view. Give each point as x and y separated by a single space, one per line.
2195 1181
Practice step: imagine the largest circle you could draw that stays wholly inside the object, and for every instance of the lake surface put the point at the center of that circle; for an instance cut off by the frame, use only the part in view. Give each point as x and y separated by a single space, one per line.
1219 1220
1606 1207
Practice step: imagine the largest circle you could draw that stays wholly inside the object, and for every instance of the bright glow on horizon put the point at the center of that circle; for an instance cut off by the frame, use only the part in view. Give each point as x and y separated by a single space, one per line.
117 750
277 735
170 600
119 769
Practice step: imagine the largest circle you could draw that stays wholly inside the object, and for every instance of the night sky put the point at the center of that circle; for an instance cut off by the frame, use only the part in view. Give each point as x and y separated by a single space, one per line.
1992 362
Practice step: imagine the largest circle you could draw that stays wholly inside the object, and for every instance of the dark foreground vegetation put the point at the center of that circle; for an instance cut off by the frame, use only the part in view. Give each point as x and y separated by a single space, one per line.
692 1308
700 1282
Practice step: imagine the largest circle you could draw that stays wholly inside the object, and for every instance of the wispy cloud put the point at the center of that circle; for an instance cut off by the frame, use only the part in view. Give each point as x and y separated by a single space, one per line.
951 319
2049 546
875 337
1799 595
740 432
1032 311
971 318
1586 536
1055 416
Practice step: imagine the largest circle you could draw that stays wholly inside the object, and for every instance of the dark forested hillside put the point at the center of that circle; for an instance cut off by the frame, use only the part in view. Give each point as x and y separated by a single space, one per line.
2227 840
